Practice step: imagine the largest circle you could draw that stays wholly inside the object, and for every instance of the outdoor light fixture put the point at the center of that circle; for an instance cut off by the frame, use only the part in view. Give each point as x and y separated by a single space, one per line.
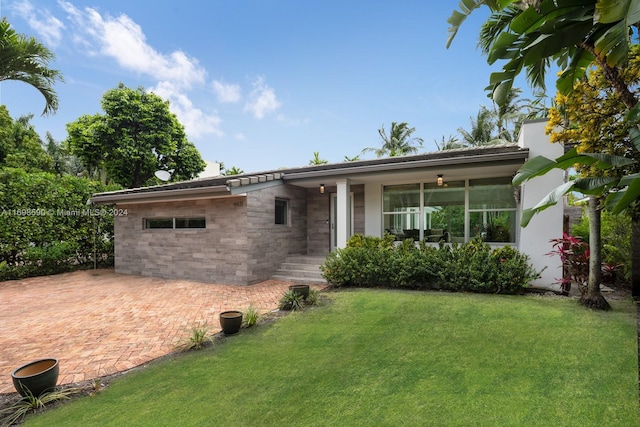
321 188
440 180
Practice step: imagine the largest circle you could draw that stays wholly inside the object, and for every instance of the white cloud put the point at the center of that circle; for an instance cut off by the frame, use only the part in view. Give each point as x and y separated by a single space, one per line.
262 99
226 93
196 123
48 27
123 40
240 136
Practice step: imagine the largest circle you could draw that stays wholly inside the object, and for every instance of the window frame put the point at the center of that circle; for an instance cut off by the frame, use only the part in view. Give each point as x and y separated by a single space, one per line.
284 208
421 210
195 220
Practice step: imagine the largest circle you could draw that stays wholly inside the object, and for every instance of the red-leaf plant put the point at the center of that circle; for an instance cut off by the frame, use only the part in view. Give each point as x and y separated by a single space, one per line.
574 254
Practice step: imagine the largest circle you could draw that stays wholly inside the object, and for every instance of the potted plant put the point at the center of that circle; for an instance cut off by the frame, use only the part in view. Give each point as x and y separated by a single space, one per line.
301 289
231 321
36 377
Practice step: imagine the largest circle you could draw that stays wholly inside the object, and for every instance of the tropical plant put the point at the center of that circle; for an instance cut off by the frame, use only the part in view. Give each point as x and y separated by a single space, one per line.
574 255
197 339
399 141
15 413
450 143
530 35
27 60
316 160
250 316
136 137
291 300
233 171
352 159
483 129
313 298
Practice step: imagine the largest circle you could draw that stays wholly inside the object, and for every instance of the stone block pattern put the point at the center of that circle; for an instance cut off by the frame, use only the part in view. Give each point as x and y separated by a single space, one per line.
268 243
216 254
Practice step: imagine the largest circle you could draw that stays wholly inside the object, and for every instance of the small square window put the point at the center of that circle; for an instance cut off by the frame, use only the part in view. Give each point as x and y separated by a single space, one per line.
282 211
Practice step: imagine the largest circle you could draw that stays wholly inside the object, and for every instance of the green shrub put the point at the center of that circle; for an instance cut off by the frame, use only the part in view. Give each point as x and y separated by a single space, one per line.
46 226
471 267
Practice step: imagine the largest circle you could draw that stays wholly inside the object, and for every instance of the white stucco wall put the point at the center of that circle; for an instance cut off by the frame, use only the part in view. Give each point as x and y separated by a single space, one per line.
546 225
373 209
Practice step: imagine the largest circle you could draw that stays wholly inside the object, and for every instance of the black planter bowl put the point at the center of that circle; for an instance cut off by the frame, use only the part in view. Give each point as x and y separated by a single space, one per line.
36 377
231 321
301 289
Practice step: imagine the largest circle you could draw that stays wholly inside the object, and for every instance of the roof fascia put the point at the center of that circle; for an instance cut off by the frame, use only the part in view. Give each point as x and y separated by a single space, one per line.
160 195
483 158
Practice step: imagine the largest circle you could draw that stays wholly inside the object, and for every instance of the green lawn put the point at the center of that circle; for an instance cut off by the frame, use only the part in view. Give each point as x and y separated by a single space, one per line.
393 358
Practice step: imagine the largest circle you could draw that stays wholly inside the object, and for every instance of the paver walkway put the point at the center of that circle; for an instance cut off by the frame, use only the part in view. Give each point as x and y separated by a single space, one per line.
99 322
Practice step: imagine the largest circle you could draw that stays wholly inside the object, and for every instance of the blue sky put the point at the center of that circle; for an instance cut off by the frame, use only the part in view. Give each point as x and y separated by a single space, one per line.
262 84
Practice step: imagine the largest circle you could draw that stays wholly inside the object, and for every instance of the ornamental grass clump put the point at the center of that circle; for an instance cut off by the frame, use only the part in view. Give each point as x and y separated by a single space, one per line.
15 413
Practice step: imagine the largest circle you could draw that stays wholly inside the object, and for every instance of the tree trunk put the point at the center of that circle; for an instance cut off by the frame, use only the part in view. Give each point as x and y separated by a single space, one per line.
593 298
635 256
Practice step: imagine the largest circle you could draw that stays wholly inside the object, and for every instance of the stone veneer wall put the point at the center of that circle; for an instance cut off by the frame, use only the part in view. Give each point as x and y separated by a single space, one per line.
216 254
319 214
268 243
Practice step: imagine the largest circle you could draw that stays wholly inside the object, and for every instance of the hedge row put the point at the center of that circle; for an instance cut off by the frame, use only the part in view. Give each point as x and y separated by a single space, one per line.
46 226
473 267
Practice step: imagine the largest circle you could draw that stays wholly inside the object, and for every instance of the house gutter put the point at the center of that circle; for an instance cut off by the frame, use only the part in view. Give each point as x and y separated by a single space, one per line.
497 157
161 195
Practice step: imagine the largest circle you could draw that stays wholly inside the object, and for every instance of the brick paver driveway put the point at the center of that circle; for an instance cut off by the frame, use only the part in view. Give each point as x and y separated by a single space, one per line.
99 322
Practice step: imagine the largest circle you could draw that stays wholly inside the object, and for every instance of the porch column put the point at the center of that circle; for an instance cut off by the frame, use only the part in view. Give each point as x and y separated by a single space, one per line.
343 212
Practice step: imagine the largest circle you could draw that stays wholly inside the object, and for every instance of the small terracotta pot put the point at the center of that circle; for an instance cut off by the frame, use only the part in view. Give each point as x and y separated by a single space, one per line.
231 321
301 289
36 377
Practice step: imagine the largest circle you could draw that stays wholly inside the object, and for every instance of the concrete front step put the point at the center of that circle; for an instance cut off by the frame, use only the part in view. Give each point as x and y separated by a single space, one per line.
300 269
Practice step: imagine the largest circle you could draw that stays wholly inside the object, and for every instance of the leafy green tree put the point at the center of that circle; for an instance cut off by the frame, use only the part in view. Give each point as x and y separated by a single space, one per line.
399 141
27 60
316 160
136 136
20 144
352 159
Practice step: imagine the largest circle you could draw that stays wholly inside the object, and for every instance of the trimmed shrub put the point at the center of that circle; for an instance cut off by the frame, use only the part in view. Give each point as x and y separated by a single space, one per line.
46 226
470 267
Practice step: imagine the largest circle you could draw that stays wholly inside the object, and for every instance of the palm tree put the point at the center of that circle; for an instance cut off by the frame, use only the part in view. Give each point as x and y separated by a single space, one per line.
316 160
482 129
352 159
25 59
398 143
451 143
233 171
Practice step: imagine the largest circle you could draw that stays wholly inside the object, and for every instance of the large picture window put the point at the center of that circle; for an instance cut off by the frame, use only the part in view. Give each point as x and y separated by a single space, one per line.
454 212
